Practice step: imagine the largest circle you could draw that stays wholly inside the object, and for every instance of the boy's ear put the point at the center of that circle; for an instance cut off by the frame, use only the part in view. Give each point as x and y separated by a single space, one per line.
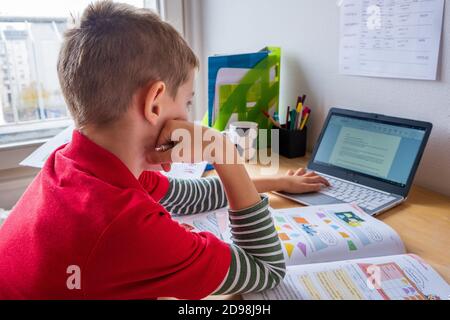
152 102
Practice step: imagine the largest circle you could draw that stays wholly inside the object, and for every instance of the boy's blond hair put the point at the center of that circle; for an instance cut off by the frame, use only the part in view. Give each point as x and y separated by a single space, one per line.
114 50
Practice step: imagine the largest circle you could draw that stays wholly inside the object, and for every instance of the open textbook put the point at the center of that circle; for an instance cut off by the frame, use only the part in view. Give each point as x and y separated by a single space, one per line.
337 252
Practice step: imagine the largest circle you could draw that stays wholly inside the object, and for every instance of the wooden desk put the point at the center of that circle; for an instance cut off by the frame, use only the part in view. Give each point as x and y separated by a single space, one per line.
423 221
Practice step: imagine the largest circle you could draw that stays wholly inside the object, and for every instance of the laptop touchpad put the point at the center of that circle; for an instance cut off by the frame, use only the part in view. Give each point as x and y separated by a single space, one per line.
315 198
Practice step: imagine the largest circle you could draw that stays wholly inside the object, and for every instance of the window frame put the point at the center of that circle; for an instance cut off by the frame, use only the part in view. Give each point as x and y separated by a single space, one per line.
161 9
172 11
12 154
27 21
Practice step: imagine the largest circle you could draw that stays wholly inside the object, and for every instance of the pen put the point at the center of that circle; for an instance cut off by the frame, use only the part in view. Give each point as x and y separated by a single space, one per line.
276 124
306 111
299 109
304 121
287 117
276 117
304 99
293 115
165 147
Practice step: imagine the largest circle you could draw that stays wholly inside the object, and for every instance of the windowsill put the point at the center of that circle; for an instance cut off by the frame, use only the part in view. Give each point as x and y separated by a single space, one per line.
34 125
23 144
11 154
32 128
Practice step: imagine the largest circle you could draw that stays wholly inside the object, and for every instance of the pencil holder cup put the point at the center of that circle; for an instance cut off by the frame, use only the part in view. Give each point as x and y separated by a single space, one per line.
293 143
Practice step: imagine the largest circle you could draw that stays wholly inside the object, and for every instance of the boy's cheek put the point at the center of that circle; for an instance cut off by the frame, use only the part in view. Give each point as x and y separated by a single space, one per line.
180 115
174 113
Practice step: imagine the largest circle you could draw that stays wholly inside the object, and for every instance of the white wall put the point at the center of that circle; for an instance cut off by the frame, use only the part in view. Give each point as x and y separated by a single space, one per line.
308 32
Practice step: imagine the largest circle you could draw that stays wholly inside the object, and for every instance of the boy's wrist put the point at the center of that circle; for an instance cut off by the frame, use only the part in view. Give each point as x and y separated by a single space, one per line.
278 183
222 152
241 191
267 184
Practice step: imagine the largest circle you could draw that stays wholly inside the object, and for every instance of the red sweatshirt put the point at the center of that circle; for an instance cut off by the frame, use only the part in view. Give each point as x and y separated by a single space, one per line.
87 228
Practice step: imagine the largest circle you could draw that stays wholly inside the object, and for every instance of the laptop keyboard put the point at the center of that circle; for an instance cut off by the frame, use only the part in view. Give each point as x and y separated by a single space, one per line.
348 192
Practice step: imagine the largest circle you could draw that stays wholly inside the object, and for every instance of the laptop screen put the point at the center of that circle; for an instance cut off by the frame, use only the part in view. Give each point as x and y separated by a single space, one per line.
374 148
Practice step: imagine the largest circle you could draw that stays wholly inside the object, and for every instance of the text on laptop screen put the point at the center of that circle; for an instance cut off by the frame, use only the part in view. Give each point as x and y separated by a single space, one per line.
377 149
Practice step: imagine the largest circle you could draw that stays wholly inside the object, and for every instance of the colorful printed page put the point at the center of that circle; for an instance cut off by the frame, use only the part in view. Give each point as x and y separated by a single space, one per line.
401 277
333 232
215 222
314 234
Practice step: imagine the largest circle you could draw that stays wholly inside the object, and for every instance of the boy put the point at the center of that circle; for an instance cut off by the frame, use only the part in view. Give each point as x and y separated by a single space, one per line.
94 224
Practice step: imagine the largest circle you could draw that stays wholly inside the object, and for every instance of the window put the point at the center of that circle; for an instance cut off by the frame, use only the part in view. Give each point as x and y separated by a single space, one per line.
30 38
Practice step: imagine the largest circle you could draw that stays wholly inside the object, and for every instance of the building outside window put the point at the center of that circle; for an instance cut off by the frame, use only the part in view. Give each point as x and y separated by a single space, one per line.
31 33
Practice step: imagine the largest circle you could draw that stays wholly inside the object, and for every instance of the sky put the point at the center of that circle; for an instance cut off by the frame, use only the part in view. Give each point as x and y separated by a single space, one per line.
49 8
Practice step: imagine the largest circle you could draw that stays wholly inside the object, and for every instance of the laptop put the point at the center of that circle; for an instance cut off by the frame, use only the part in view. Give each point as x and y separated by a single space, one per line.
369 159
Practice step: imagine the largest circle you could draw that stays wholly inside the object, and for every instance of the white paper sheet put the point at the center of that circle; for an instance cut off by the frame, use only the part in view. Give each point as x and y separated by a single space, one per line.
393 39
187 170
40 155
3 215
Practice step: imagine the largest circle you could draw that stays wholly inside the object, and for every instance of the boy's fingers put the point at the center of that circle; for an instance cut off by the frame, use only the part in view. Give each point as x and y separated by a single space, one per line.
322 180
325 181
314 175
164 139
290 172
313 187
166 132
317 179
300 172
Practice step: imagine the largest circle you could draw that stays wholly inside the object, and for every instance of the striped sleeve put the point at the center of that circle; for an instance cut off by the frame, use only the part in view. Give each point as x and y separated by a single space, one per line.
257 259
190 196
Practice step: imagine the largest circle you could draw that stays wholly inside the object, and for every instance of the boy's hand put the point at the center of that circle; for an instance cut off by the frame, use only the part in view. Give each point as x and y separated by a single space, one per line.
298 181
240 190
190 142
301 181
